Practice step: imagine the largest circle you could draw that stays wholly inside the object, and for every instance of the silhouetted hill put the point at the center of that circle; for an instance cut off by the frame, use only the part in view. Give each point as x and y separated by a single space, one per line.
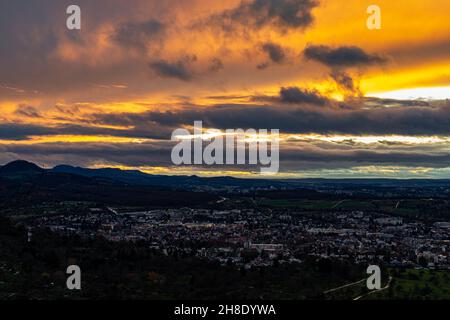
25 170
20 167
140 178
126 176
23 183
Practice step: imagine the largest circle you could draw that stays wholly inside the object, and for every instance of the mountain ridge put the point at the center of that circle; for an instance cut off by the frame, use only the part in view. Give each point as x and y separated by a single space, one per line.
21 168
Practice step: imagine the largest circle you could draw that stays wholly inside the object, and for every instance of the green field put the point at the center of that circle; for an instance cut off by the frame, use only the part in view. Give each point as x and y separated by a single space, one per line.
297 203
408 284
417 285
412 208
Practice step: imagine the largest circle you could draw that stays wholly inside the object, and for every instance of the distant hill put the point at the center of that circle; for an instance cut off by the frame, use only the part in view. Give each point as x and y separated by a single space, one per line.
136 177
21 169
24 183
25 170
140 178
19 166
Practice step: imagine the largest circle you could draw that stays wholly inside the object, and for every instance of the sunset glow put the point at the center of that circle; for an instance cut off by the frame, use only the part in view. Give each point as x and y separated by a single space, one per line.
347 100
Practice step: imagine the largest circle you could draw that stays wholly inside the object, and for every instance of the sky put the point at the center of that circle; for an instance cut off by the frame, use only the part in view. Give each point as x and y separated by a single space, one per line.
348 101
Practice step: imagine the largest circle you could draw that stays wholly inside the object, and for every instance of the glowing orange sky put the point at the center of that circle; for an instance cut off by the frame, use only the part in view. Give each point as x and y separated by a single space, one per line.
52 77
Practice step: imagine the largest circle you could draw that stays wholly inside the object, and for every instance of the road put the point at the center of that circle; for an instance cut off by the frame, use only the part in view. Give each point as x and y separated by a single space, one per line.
375 291
345 286
337 204
222 199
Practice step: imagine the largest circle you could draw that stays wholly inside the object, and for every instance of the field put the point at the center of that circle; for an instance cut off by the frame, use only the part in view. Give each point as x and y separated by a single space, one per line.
422 209
410 284
417 285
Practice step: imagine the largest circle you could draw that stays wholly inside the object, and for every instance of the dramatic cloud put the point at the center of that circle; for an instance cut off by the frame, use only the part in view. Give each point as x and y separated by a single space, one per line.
346 83
297 95
179 69
395 102
216 65
414 120
256 14
139 35
342 56
88 153
275 52
293 156
27 111
17 131
113 92
21 131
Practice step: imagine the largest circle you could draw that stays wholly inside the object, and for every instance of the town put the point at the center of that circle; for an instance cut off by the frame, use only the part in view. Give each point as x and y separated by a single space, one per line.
248 238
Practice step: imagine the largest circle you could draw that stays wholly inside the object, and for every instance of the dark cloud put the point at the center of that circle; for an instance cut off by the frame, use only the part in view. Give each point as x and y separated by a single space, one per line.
21 131
346 83
338 159
18 131
295 154
229 97
378 102
256 14
346 56
297 95
293 111
416 120
263 66
139 35
292 157
216 65
27 111
179 69
85 154
275 52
